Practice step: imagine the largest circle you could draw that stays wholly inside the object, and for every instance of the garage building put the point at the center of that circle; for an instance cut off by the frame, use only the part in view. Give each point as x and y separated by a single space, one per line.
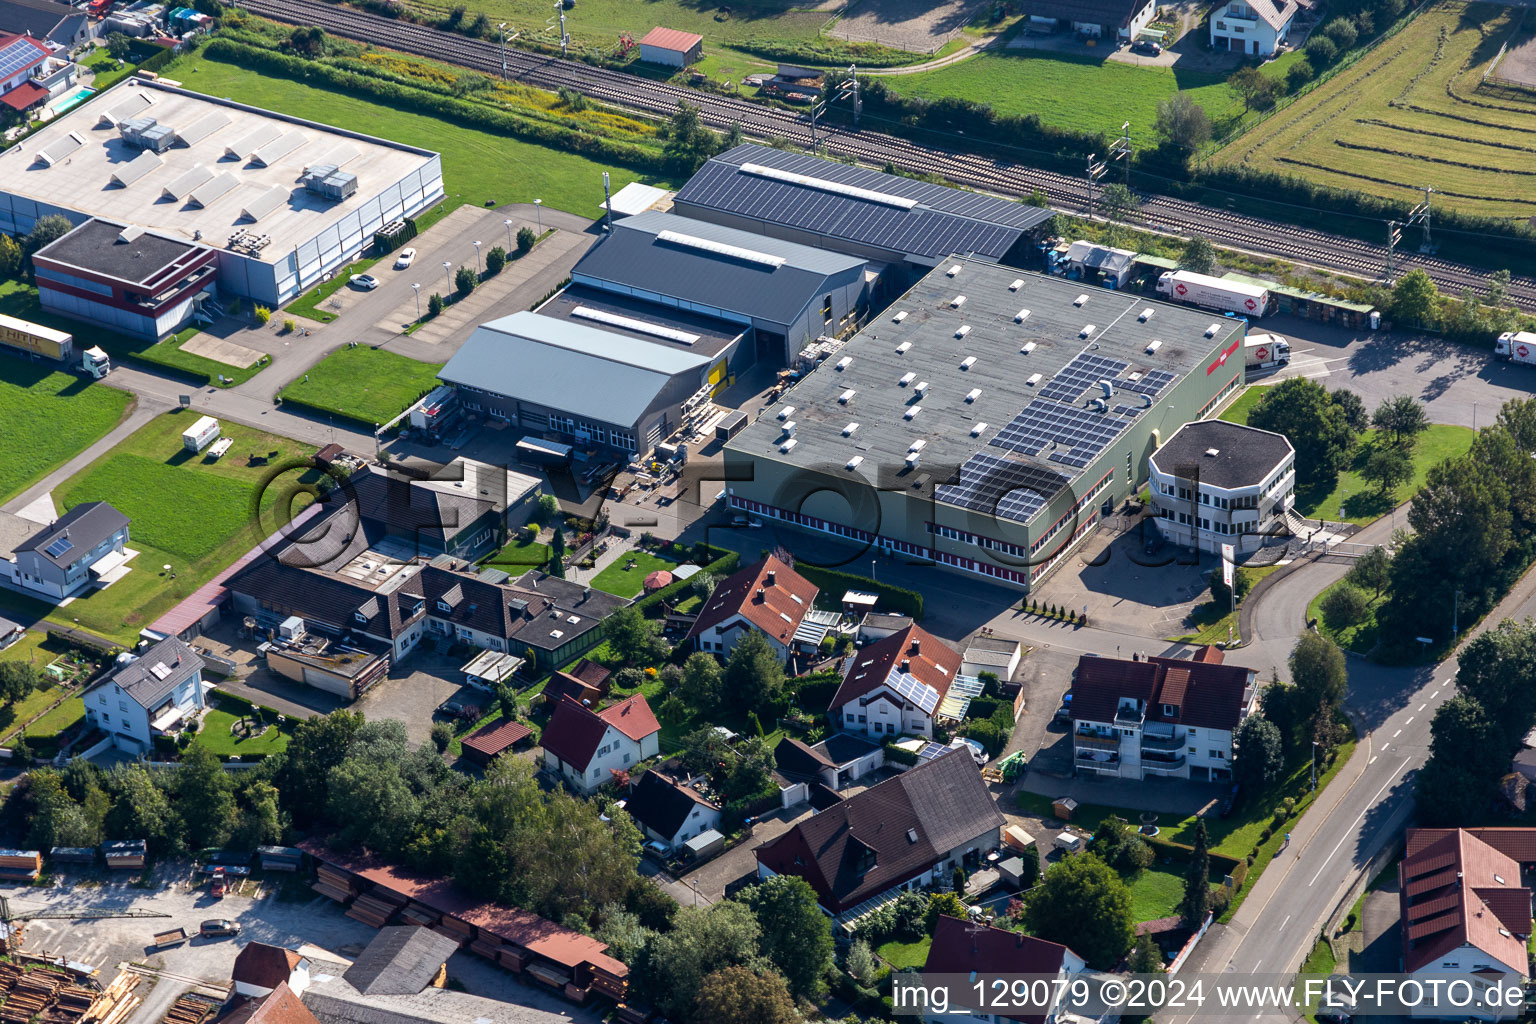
1099 19
671 47
984 420
788 294
281 201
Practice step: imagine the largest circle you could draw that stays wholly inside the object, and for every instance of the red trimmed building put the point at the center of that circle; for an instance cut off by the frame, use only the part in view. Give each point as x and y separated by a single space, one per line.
22 59
769 597
895 687
585 747
671 47
126 279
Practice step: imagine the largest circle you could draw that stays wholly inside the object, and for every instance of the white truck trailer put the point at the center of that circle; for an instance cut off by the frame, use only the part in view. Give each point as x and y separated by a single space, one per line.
1263 351
201 434
1249 300
1516 346
22 337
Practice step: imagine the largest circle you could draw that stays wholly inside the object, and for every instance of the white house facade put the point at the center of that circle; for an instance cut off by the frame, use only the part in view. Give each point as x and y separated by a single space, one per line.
1216 483
1253 27
147 694
585 748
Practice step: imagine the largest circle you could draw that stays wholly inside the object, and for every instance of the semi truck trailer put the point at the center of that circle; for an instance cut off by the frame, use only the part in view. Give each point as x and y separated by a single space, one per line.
1214 293
1263 351
35 341
1516 346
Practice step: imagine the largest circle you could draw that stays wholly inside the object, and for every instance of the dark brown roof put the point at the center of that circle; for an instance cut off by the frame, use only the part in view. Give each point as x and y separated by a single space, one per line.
1117 13
906 823
388 501
574 731
496 737
796 758
326 598
592 673
662 804
562 684
1463 891
928 658
1518 844
264 966
775 608
961 947
1204 695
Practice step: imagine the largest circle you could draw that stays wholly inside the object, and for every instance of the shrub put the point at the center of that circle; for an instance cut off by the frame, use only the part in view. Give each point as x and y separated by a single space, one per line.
442 736
435 304
1299 75
1343 606
525 239
495 260
263 314
464 280
1343 33
289 325
1220 899
1321 51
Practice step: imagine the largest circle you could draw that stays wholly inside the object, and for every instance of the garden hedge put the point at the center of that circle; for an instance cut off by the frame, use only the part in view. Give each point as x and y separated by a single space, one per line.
892 598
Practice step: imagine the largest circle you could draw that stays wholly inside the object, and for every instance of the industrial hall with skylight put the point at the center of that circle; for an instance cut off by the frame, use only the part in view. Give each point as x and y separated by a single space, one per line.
984 420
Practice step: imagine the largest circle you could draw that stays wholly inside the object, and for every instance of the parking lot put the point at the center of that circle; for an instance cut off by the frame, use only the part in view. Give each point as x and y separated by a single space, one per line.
414 689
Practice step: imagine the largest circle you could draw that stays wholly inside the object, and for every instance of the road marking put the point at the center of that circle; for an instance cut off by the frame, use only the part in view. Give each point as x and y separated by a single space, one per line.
1434 695
1408 723
1352 824
1372 760
1285 922
1423 706
1397 734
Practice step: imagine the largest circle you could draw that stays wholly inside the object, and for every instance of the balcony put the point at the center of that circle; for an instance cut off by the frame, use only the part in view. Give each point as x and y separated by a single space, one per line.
1128 716
1173 742
1175 767
1105 763
1161 761
1095 741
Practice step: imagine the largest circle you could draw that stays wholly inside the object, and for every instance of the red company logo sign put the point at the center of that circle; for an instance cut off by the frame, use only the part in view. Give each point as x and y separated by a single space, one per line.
1251 304
1181 288
1262 353
1522 351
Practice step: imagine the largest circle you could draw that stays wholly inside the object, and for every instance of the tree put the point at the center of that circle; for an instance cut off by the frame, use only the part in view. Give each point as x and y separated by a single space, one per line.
1466 759
557 554
140 809
205 796
54 818
1183 123
526 240
623 932
1259 753
753 674
672 968
1083 902
744 996
1318 428
1372 570
1199 255
1343 33
688 143
549 507
1117 201
464 280
1344 605
947 904
1145 957
1118 845
1256 88
1221 594
797 936
1415 299
1299 74
435 304
633 637
316 746
17 679
261 821
1497 669
860 962
119 45
1389 466
1353 408
1197 880
44 233
702 684
10 257
442 736
1498 287
495 261
1317 671
1402 416
1321 51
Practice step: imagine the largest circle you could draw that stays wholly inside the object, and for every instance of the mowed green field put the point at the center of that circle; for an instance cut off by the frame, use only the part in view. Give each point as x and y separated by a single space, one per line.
1412 113
49 417
478 167
366 384
1076 92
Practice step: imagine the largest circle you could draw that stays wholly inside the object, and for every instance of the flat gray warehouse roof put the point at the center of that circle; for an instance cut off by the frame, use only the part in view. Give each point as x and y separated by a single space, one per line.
696 261
563 365
990 378
73 161
582 305
916 218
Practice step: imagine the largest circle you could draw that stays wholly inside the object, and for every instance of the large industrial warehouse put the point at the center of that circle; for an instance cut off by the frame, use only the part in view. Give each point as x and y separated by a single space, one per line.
985 418
282 201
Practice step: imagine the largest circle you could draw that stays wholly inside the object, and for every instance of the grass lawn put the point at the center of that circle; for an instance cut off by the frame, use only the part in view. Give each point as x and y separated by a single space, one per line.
478 167
1216 625
1352 499
57 720
905 954
365 384
191 513
107 73
308 304
518 555
50 417
1359 637
1155 892
215 735
616 579
38 649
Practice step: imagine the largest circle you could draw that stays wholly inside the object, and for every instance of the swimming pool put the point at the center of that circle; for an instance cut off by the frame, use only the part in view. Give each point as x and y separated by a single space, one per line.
74 99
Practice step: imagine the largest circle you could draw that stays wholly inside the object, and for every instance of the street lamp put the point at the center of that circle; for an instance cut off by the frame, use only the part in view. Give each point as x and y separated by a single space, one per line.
477 258
503 29
416 288
508 223
1314 766
448 273
538 211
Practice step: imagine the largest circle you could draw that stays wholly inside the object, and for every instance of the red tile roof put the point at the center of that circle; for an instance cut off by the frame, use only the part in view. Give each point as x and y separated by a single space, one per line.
1518 844
264 966
496 737
280 1006
632 717
25 96
776 608
1205 695
574 732
671 39
929 660
1476 899
960 947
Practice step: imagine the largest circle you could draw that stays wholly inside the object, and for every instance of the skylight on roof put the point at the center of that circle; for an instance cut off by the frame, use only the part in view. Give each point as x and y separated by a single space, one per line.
1018 283
735 252
953 270
837 187
159 670
899 317
631 324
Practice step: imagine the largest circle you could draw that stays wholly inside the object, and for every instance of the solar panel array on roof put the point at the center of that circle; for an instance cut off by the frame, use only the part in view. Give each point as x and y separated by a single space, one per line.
1082 373
59 546
994 485
1149 383
17 56
1078 434
130 172
1128 410
913 689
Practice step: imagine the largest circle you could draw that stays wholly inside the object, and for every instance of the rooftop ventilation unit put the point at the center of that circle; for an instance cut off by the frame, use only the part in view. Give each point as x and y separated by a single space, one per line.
1146 315
1108 388
850 429
912 411
978 427
1210 332
901 349
1034 379
1213 452
1087 330
836 187
734 252
788 446
917 446
953 270
630 323
330 181
967 362
1153 346
1018 283
845 362
973 394
957 302
899 317
853 463
846 396
130 233
786 412
1080 299
920 388
147 133
913 458
1098 405
962 330
907 378
1021 316
789 427
1027 348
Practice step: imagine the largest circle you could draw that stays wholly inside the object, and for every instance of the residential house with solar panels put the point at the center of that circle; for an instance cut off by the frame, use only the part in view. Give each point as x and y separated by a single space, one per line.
147 694
85 546
904 685
31 72
786 293
908 226
1216 483
985 420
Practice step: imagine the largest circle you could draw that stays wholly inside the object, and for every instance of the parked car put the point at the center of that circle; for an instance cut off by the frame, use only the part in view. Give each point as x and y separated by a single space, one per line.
367 282
218 928
450 709
1230 802
405 259
1064 713
1147 47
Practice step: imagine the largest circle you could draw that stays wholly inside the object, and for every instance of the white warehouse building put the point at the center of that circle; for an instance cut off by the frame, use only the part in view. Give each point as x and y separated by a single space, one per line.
283 201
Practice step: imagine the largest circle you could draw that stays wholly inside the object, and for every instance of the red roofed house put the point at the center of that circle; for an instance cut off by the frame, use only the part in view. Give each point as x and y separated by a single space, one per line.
1158 716
671 47
489 742
896 686
281 1006
22 59
960 947
1464 913
261 968
769 597
585 747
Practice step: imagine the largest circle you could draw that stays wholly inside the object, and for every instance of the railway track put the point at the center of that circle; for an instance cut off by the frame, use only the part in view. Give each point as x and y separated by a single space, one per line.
1165 214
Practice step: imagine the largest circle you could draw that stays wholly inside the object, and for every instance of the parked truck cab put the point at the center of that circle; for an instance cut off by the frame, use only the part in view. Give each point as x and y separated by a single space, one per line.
1518 346
1263 351
94 363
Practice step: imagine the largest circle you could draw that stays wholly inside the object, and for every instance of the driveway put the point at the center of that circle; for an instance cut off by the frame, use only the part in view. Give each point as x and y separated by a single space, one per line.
739 862
414 689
